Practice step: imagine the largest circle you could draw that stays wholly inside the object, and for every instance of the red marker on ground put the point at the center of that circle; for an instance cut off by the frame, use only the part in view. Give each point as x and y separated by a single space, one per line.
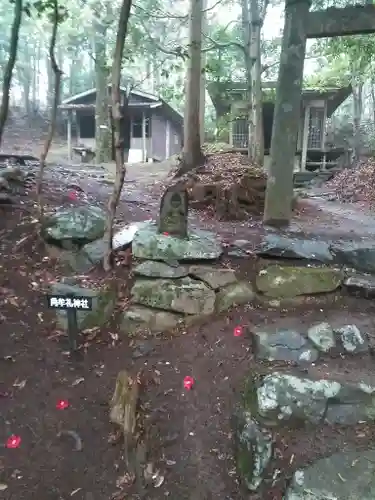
165 233
188 383
238 331
72 196
62 404
13 442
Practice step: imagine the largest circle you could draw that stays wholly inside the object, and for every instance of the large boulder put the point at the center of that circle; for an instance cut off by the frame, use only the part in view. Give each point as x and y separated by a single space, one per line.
358 255
285 398
348 475
148 243
361 285
289 247
284 345
287 281
74 227
183 295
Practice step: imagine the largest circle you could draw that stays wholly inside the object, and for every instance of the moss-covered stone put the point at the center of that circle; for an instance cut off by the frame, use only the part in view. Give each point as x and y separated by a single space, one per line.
157 269
234 295
253 449
184 295
215 278
148 243
78 225
347 475
140 318
287 281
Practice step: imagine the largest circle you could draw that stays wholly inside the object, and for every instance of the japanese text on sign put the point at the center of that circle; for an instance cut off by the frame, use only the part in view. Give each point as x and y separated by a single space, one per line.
63 302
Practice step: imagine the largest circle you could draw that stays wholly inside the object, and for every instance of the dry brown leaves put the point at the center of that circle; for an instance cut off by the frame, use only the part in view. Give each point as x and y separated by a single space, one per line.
356 184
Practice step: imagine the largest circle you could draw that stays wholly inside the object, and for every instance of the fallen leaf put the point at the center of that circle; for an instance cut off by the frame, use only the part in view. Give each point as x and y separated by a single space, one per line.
78 381
3 486
19 385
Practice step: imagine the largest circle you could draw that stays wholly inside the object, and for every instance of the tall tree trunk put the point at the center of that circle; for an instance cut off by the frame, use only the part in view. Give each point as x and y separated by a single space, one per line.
103 133
202 103
256 140
246 39
8 73
56 99
35 76
192 153
117 117
357 87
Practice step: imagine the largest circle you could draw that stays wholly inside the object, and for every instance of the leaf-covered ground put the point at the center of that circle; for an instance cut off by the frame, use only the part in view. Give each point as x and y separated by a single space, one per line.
190 441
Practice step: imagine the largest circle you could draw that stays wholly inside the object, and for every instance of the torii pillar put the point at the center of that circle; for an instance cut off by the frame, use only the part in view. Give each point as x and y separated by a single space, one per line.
300 24
287 114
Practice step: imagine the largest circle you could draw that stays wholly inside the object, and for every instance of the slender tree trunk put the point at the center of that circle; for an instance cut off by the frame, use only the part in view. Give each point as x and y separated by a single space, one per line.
103 133
246 39
8 73
256 139
202 103
56 99
372 91
117 117
34 79
357 117
192 152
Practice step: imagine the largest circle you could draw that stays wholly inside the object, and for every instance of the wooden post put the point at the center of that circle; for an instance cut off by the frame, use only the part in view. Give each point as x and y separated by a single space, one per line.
279 194
305 137
144 148
168 140
324 136
78 128
69 135
231 126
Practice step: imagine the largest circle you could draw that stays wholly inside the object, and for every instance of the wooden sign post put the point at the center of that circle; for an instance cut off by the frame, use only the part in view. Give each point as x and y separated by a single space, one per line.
71 304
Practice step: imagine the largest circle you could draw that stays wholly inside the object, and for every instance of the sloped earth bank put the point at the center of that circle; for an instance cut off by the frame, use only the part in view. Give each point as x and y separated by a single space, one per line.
193 433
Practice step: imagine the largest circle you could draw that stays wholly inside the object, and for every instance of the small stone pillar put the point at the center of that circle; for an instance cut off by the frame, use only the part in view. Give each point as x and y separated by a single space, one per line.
279 195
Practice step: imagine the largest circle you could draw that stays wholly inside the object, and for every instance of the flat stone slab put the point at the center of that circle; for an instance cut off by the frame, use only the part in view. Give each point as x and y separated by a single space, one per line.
361 285
148 243
94 252
358 255
213 277
233 295
289 247
284 398
138 318
284 345
343 476
287 281
157 269
183 295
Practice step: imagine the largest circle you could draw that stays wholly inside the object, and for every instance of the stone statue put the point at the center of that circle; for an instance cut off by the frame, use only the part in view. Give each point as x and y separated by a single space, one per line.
173 217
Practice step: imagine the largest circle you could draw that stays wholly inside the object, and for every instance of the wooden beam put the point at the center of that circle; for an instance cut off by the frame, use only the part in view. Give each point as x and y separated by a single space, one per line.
353 20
